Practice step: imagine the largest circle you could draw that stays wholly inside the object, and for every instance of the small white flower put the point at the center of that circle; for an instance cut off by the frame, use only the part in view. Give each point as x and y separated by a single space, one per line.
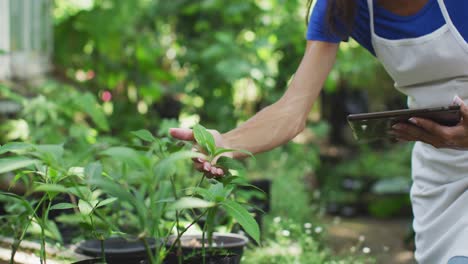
362 238
285 233
277 219
352 249
308 231
308 225
318 229
366 250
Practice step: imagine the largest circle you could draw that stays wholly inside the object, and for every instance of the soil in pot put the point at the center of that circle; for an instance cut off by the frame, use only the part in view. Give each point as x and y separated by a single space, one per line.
118 250
227 249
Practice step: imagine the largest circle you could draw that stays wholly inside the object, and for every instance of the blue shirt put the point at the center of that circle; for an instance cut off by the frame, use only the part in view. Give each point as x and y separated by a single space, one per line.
388 25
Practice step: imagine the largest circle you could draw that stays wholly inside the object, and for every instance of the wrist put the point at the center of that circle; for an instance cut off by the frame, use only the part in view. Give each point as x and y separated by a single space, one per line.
230 143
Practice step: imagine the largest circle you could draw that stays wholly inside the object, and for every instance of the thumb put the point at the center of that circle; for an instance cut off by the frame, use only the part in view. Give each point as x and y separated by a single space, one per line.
463 107
182 133
464 111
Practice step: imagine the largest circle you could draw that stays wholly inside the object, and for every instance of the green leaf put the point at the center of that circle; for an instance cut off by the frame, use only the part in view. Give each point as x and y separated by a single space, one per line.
23 201
62 206
190 202
123 154
205 139
51 188
202 192
50 152
166 166
52 231
144 135
16 147
2 52
243 217
230 163
15 163
76 171
217 192
106 202
88 104
85 207
93 170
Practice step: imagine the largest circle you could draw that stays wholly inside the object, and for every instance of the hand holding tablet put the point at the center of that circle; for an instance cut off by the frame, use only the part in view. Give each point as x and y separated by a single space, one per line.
373 126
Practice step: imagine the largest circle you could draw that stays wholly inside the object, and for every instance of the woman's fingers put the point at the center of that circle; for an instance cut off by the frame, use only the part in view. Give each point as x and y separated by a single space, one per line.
182 133
430 126
464 110
210 170
199 164
412 133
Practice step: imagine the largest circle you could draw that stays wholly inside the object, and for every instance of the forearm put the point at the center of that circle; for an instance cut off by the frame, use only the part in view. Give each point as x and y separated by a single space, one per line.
269 128
282 121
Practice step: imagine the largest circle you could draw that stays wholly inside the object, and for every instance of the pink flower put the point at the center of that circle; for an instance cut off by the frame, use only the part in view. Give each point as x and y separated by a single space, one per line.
106 96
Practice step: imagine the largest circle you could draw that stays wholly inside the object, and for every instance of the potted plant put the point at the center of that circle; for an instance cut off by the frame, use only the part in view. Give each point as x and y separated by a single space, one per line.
46 173
141 176
217 195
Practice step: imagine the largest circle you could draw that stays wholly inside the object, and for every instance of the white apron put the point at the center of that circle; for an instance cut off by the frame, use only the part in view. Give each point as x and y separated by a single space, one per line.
431 70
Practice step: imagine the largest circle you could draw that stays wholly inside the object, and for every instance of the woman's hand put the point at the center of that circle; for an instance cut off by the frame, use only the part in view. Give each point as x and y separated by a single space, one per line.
432 133
199 163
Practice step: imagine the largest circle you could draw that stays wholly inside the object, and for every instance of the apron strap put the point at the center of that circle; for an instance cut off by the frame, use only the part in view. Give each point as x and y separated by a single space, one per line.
370 5
452 26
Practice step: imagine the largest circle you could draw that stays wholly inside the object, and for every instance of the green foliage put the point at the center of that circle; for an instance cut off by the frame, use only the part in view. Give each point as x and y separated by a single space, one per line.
376 164
205 139
220 192
297 242
244 218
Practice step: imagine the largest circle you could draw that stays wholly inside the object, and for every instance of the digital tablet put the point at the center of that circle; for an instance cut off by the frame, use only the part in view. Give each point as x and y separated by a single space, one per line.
371 126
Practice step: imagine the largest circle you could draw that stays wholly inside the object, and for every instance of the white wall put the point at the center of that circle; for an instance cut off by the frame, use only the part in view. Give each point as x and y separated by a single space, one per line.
25 25
5 71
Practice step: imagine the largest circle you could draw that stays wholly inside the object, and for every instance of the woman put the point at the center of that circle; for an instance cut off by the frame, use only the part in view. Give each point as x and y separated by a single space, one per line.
423 46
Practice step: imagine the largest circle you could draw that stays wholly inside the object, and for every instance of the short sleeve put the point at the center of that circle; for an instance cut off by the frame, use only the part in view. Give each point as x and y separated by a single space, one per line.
318 28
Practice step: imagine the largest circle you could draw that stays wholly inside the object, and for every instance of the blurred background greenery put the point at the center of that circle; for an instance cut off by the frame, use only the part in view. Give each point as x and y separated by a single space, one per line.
117 66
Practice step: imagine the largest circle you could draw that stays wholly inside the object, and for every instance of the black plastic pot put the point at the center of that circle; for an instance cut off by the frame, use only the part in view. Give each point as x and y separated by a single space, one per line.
89 261
118 250
265 186
228 250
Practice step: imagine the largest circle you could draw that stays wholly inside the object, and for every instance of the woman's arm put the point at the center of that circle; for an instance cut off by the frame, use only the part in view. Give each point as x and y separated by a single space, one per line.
283 120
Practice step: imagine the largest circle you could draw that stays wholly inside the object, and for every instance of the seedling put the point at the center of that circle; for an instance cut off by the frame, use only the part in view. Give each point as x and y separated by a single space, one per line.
219 193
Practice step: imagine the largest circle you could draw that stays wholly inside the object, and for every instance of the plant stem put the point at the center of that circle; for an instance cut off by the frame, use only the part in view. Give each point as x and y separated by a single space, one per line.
42 225
15 246
210 225
179 244
103 254
148 251
203 243
185 230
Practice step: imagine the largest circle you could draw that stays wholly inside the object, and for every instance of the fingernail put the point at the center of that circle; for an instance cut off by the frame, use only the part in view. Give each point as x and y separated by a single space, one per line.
457 100
220 171
200 160
207 166
413 120
214 171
